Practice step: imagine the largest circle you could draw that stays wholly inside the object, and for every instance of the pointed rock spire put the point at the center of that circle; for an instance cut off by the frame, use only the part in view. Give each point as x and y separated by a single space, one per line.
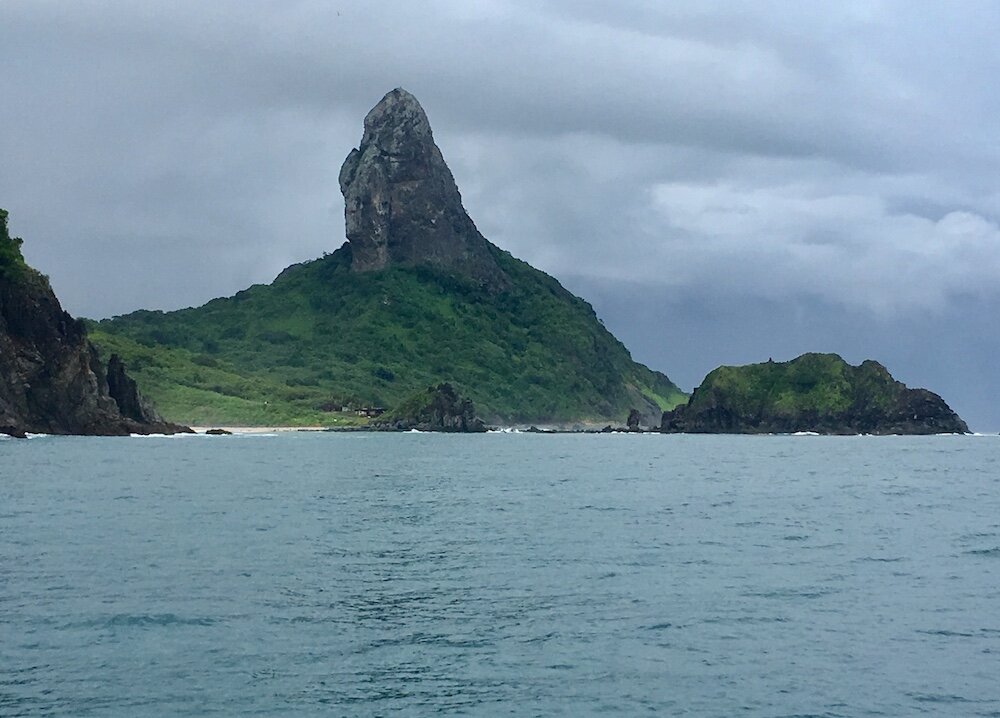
402 206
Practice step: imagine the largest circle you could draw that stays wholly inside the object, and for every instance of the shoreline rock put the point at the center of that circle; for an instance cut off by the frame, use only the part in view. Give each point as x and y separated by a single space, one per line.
437 409
819 393
51 378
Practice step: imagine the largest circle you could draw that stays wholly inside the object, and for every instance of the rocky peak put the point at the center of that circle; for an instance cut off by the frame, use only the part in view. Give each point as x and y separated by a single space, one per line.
398 125
402 206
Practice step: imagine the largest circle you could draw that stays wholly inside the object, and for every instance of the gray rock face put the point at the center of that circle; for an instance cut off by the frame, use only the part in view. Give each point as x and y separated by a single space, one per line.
402 206
122 388
51 379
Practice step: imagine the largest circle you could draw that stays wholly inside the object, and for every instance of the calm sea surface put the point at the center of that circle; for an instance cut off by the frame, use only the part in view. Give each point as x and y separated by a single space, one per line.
418 574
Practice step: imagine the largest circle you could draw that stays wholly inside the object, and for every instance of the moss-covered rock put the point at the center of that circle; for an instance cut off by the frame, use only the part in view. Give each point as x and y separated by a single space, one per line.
816 393
437 408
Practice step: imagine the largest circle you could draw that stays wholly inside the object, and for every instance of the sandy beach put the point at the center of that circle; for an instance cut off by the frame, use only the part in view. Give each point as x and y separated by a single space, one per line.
257 429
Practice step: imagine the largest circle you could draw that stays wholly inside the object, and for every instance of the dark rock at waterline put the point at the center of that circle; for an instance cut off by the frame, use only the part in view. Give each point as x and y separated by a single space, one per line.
634 417
819 393
218 432
15 431
51 378
122 388
438 408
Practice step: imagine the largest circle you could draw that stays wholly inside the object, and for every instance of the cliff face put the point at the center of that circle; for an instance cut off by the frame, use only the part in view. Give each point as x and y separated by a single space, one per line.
51 379
402 206
815 392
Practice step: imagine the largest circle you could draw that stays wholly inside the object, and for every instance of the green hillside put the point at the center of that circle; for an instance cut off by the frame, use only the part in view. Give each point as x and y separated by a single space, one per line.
822 383
321 338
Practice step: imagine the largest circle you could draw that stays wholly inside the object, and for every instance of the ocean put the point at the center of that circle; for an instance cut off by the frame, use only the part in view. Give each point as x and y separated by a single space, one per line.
325 574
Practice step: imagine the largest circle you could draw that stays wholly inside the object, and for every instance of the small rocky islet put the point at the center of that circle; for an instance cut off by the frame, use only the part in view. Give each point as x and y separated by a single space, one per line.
406 227
815 393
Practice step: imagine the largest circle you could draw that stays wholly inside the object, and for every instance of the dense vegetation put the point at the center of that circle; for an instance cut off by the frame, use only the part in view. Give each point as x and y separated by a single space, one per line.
812 382
436 408
322 338
12 263
815 392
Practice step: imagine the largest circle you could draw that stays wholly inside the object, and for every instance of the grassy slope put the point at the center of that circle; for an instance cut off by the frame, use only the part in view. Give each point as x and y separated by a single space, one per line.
820 383
322 336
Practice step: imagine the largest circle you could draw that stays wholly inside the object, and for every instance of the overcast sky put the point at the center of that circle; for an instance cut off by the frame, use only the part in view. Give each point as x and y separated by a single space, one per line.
725 181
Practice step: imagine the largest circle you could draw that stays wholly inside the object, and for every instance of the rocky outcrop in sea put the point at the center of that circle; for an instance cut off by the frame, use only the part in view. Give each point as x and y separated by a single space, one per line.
818 393
438 408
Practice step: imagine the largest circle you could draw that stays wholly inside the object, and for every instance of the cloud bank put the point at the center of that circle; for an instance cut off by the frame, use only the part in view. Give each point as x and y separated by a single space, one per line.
841 157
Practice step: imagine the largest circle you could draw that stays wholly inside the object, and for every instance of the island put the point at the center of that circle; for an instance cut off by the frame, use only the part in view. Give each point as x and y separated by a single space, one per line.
817 393
415 297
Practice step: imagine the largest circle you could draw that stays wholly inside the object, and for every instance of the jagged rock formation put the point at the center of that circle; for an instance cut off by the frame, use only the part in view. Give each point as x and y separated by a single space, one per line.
634 418
402 206
439 408
819 393
51 378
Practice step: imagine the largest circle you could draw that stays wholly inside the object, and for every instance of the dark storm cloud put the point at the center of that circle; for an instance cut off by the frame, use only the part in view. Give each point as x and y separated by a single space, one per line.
837 157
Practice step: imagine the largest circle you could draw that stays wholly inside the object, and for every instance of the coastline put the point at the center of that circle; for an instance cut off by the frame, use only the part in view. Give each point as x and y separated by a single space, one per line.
257 429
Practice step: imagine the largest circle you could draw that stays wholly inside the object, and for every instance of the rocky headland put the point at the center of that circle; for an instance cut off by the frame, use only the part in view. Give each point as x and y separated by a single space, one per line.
52 380
818 393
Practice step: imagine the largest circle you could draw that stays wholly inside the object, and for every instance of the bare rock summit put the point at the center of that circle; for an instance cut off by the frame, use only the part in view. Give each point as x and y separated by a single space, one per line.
402 206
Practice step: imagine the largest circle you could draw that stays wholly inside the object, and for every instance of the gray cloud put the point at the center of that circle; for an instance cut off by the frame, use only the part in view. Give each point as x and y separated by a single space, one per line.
841 158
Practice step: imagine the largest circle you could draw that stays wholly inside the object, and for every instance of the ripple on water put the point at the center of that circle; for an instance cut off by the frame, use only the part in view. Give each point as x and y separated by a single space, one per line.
561 575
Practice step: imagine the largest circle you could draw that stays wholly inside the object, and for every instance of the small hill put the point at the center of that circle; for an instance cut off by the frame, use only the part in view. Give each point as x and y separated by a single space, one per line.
815 392
51 380
437 408
415 297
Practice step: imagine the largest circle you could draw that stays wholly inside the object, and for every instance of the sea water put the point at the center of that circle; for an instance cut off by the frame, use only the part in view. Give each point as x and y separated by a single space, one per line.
503 574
